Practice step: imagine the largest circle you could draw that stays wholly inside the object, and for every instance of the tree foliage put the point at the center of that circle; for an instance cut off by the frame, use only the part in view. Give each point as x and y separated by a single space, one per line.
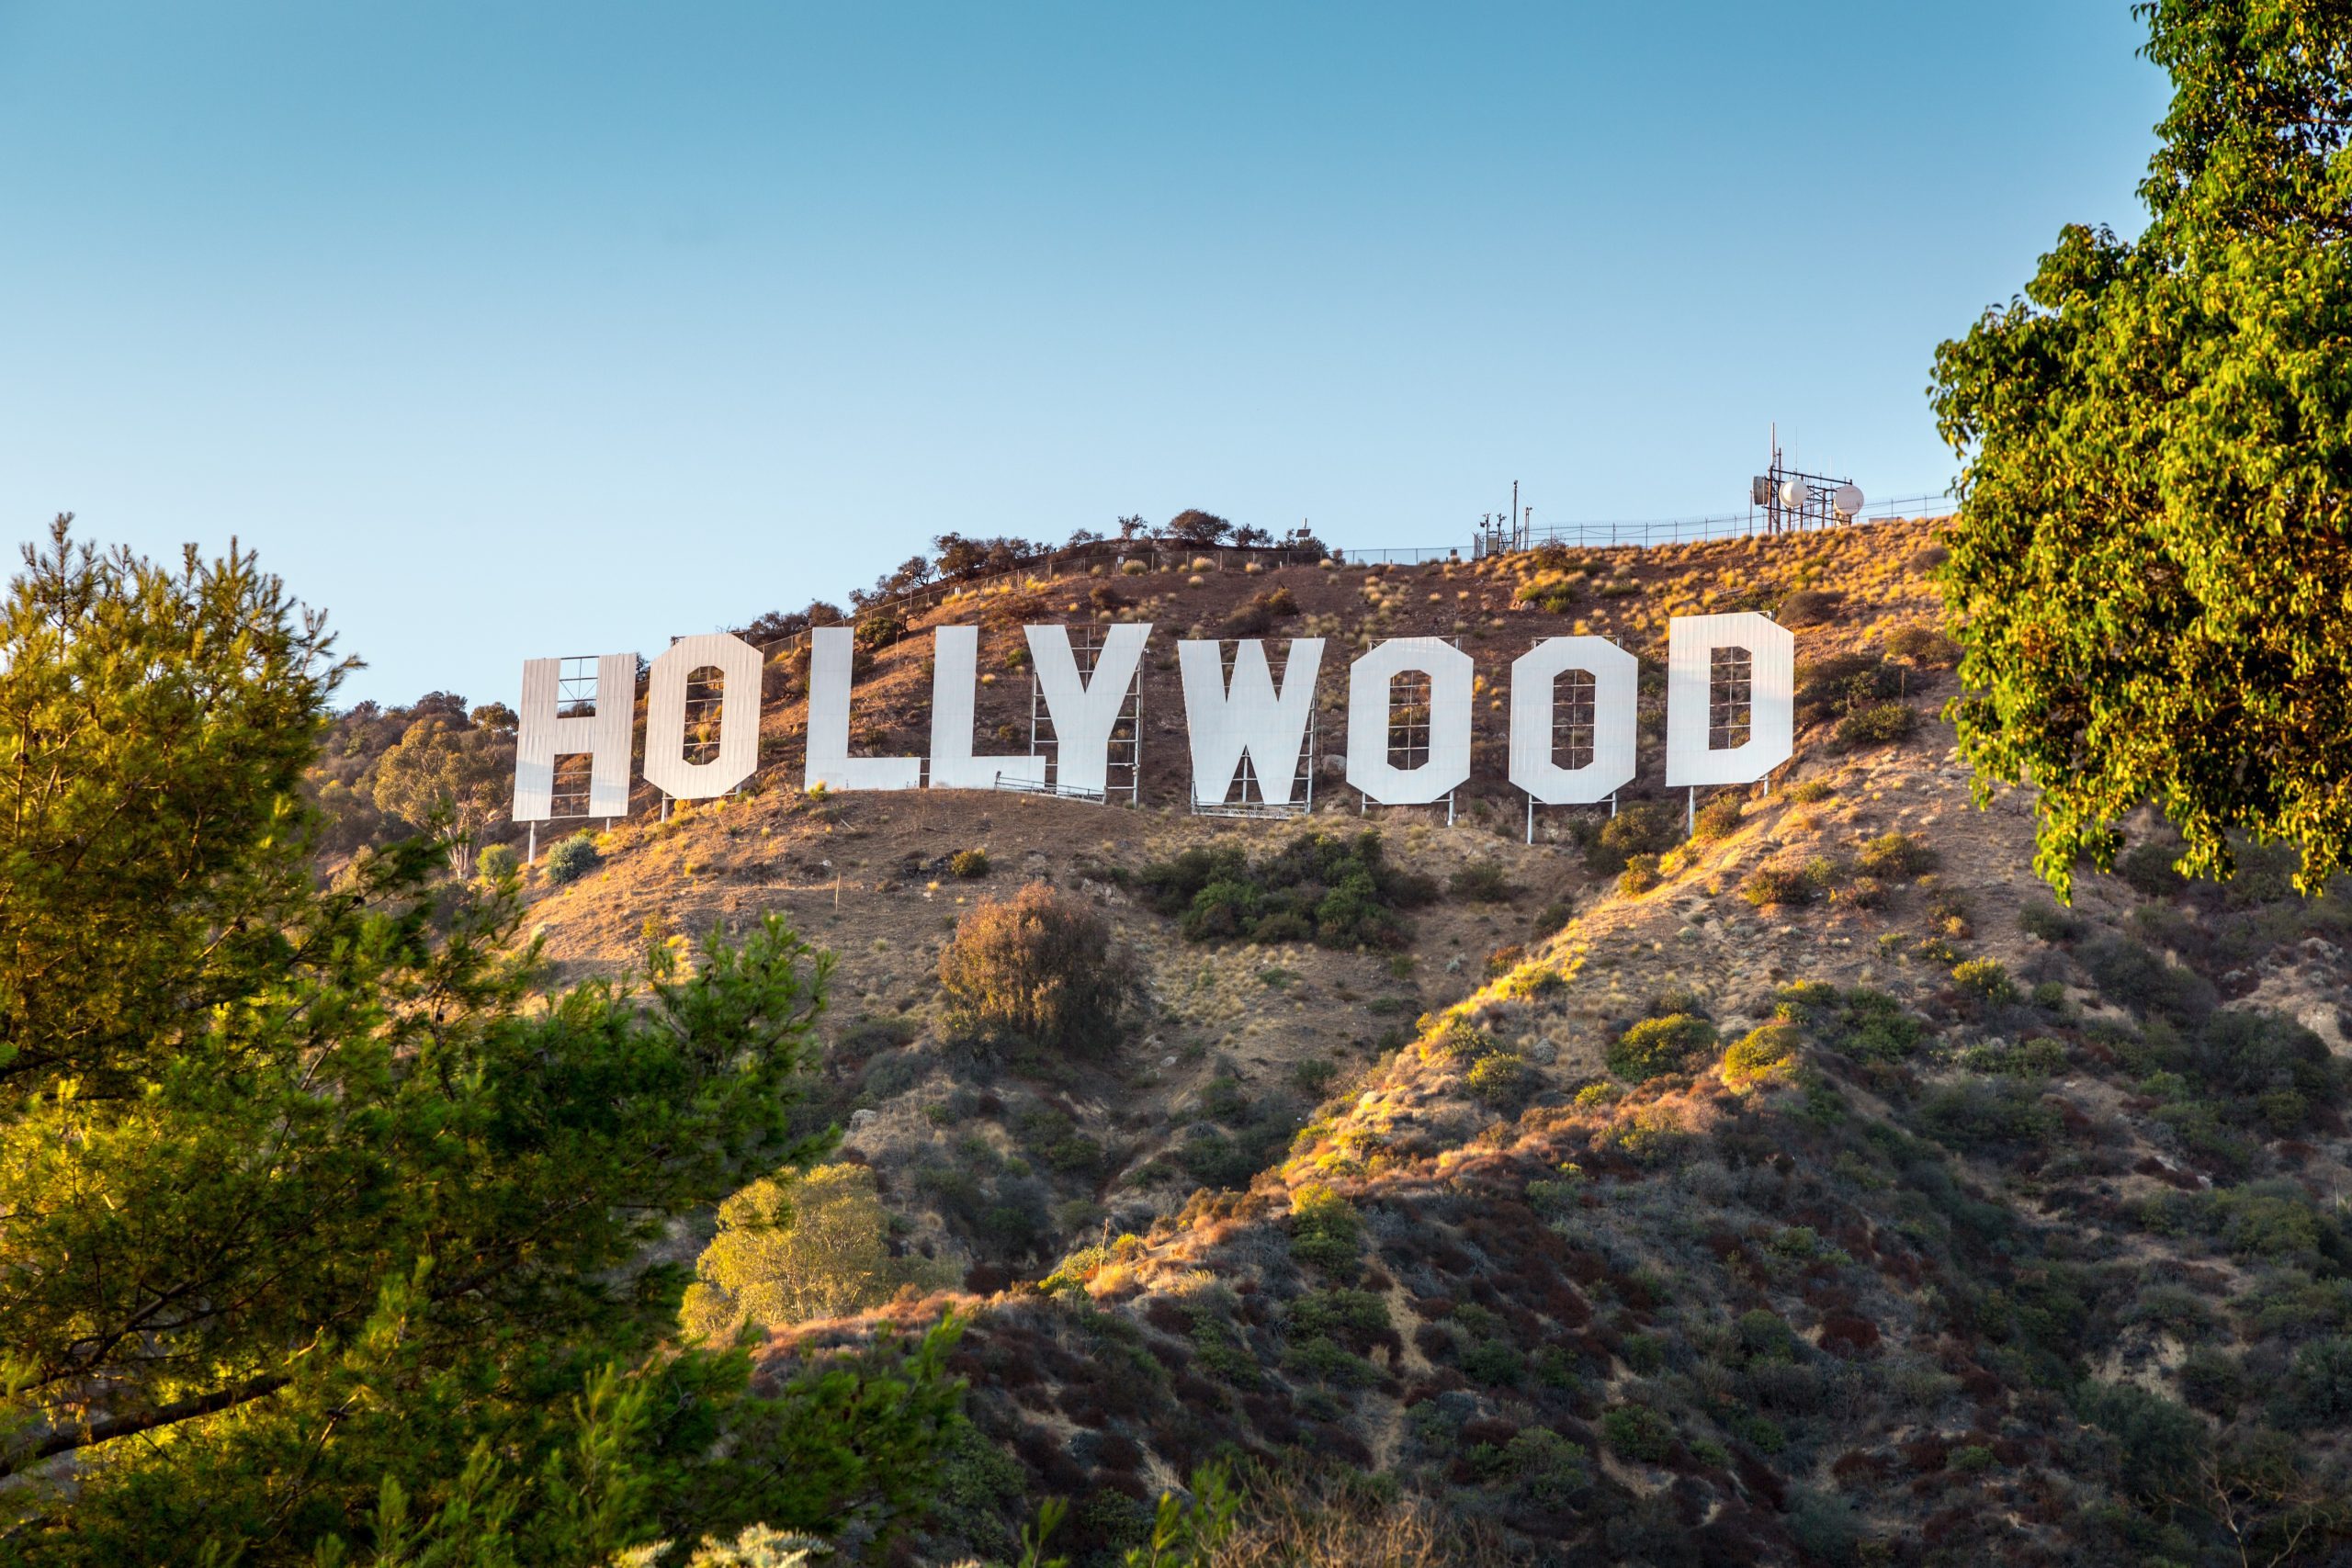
1038 967
306 1195
793 1247
2150 572
461 775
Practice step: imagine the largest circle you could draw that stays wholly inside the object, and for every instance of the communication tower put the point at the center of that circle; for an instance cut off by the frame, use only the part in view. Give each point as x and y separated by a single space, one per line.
1793 501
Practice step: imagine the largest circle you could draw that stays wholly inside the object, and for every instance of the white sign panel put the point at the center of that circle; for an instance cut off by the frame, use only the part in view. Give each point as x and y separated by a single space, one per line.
1450 674
831 651
955 685
1534 695
666 768
544 736
1691 642
1248 719
1085 708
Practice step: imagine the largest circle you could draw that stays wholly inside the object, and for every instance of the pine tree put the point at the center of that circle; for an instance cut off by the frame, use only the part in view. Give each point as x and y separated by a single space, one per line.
320 1225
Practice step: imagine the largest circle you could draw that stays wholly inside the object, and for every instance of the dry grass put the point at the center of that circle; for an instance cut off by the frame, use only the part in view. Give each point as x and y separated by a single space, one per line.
1287 1522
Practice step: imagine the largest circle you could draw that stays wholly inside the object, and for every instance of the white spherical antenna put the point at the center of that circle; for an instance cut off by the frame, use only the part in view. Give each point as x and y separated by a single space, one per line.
1849 500
1792 494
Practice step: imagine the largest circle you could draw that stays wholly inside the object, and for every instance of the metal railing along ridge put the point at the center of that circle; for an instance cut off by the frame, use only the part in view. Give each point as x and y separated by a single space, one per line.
1157 555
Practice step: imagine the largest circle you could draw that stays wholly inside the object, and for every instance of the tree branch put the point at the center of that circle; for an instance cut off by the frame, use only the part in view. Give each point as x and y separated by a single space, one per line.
88 1434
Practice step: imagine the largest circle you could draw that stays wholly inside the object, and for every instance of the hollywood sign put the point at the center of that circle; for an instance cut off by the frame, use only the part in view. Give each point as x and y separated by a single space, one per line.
1250 715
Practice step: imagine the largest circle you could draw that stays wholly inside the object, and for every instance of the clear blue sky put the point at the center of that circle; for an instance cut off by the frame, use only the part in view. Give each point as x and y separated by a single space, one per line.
506 331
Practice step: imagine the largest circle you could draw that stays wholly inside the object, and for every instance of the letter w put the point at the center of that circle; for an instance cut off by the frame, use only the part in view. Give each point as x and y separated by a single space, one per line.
1250 719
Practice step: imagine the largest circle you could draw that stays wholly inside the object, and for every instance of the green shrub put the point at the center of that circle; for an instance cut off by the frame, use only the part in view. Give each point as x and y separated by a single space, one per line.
2318 1388
2175 1309
1494 1362
1926 647
1897 857
1826 1529
1842 684
1879 725
1328 1361
1719 818
1807 607
1482 882
570 859
1645 1353
1260 613
1324 1231
971 865
496 863
2211 1379
1052 1138
1339 892
1657 1046
2148 870
1038 967
2040 918
2036 1059
1860 1023
1766 1054
1985 980
1639 827
2130 975
1985 1114
1314 1076
1461 1041
2258 1059
2273 1220
1501 1079
1784 882
1340 1313
878 630
1765 1336
1640 877
2159 1441
1811 792
1551 1472
1637 1432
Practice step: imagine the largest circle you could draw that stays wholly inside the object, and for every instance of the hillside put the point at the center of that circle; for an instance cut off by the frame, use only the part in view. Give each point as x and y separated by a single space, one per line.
1810 1191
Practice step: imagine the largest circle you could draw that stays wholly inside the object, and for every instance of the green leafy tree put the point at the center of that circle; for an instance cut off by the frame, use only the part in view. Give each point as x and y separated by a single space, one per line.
308 1200
1198 529
452 772
2150 572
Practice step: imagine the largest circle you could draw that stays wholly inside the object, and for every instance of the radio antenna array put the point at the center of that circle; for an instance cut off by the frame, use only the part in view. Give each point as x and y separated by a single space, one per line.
1794 501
